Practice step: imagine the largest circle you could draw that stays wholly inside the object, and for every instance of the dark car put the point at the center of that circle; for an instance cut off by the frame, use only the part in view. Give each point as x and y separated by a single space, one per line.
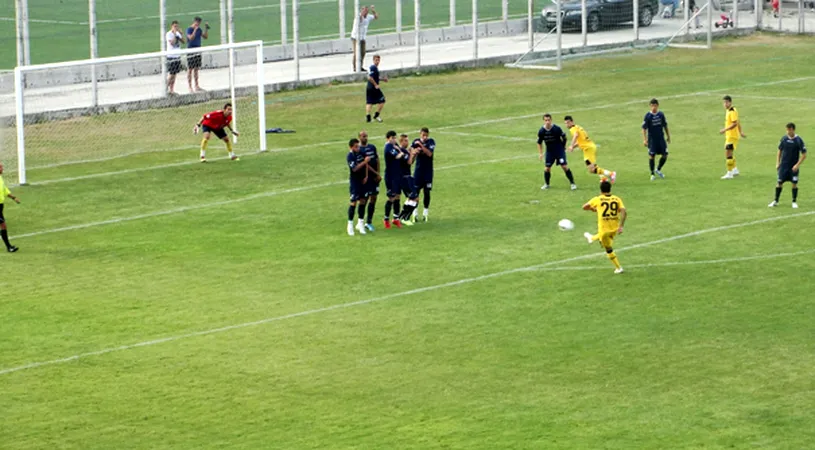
600 13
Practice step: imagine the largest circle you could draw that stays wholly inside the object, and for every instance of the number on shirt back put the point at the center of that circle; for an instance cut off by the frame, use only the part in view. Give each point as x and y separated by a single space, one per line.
610 209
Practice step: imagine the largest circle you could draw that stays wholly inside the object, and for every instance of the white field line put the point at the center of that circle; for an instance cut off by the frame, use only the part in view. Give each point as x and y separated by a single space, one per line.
784 99
628 103
110 158
684 263
274 6
232 201
440 129
53 22
460 282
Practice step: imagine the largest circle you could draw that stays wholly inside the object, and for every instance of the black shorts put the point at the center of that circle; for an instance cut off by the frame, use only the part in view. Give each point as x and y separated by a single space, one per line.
408 186
553 158
356 189
194 61
173 65
423 180
220 132
786 174
657 149
2 219
393 186
371 187
374 96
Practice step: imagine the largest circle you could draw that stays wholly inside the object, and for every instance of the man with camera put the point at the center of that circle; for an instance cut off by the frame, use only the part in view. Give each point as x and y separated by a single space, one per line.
174 40
194 35
359 32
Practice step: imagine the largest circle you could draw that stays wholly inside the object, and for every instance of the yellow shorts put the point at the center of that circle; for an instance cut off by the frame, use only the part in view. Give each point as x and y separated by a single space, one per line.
590 155
731 144
606 238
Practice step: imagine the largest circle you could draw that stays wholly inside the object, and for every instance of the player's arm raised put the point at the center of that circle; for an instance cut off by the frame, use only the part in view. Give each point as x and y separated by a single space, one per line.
623 216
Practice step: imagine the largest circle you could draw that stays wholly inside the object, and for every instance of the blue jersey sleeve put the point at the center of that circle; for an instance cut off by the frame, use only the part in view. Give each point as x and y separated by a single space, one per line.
540 136
664 119
645 120
802 145
563 138
351 159
431 145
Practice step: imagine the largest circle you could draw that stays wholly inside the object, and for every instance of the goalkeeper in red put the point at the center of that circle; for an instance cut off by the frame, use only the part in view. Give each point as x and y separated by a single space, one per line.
214 123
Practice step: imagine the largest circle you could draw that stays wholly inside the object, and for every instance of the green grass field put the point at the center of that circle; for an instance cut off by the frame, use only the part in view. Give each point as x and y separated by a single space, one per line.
223 305
60 33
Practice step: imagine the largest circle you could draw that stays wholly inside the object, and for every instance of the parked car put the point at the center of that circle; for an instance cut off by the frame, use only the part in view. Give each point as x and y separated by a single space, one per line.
600 13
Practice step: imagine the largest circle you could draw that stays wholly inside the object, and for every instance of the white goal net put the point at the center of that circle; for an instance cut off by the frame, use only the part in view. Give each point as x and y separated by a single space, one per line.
93 114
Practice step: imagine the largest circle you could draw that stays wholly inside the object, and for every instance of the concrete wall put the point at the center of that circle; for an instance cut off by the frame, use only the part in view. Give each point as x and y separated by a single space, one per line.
109 72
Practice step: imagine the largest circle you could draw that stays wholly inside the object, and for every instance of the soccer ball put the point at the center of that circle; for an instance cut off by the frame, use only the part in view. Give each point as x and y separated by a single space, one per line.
565 225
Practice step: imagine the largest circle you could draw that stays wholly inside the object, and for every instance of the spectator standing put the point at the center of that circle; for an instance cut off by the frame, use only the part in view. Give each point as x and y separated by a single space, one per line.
194 35
174 39
359 32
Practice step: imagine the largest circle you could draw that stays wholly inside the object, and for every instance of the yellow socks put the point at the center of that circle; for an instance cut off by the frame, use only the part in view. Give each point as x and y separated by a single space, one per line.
613 258
731 163
204 143
229 146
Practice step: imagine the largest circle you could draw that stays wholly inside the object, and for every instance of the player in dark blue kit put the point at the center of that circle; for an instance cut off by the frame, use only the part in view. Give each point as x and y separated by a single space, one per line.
407 183
393 179
423 172
374 95
791 154
653 137
555 140
358 166
374 177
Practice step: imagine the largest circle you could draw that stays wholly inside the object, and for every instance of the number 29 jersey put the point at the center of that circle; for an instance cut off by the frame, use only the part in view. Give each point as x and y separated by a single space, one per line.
608 212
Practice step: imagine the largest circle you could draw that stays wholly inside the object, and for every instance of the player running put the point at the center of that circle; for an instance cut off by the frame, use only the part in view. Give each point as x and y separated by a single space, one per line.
393 179
407 182
374 95
358 166
423 172
372 186
214 123
555 140
732 132
654 132
581 139
611 217
5 192
791 154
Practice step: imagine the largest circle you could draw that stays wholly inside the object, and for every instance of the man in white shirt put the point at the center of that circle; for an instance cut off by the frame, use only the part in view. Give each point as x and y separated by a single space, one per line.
359 32
174 39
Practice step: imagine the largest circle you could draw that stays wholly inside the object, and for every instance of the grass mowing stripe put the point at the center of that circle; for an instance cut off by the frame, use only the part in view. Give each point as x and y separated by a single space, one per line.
462 281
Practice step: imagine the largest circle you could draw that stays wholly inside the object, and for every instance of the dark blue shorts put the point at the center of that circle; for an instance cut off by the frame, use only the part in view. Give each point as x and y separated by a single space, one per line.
658 148
553 158
374 96
408 186
393 186
785 174
220 132
371 187
423 180
356 189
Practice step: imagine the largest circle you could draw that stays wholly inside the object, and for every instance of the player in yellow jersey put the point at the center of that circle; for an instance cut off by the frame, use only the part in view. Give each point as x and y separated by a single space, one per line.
4 192
611 217
582 140
732 132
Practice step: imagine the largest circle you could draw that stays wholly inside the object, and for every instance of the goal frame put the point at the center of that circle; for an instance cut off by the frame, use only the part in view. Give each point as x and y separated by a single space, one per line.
21 71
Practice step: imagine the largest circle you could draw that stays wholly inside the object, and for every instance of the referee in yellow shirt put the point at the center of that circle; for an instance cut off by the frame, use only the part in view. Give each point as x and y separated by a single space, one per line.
4 192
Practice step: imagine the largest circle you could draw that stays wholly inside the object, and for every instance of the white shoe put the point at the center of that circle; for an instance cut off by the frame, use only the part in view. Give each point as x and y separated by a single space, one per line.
544 187
425 213
620 270
350 228
728 176
653 178
415 216
574 187
658 172
794 205
361 228
587 235
772 204
735 171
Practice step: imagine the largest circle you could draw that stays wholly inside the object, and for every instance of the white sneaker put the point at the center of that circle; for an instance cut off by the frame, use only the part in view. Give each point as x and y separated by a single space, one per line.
574 187
772 204
653 177
425 213
735 171
587 235
794 205
350 228
544 187
620 270
361 228
728 176
415 216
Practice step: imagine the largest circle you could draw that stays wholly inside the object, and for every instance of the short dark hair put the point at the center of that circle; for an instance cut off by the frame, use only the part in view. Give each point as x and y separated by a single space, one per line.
390 134
654 102
568 118
547 115
727 98
227 105
175 22
197 19
353 142
605 187
791 125
425 130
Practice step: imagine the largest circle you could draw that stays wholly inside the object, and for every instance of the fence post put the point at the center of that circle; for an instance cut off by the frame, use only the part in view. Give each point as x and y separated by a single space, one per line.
583 22
735 13
636 20
758 7
295 13
162 23
505 10
358 59
342 19
399 16
709 24
452 12
530 23
18 22
417 28
222 10
94 51
475 30
284 23
26 34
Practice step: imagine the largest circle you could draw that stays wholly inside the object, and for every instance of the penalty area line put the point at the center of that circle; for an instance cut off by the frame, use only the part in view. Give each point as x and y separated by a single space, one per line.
340 306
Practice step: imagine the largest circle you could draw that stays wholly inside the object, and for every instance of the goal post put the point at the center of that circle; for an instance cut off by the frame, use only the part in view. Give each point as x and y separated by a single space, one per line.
63 116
